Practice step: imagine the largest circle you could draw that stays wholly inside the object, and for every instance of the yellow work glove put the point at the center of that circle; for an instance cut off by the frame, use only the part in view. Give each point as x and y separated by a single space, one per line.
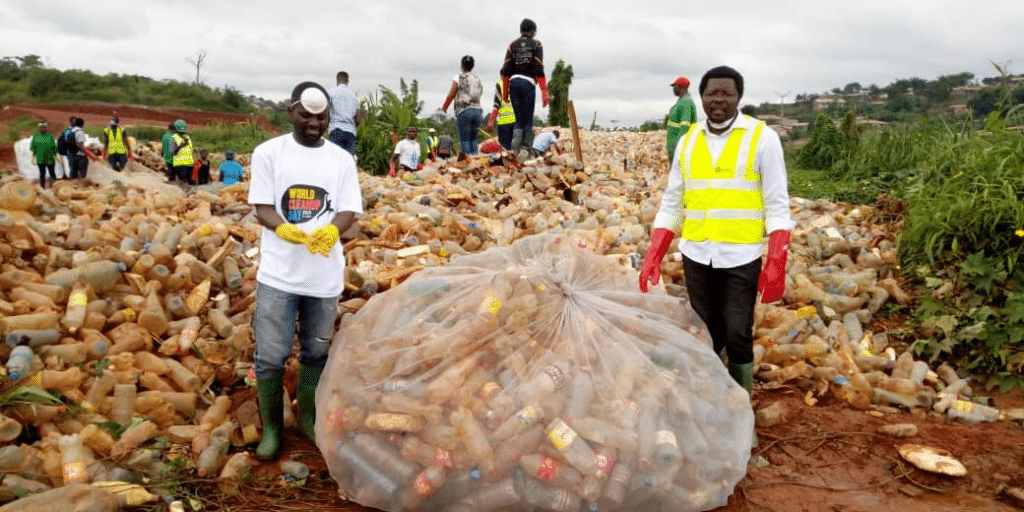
322 240
291 233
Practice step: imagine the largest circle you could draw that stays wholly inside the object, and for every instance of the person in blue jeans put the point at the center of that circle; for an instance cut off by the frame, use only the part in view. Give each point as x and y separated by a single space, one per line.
521 73
466 90
305 191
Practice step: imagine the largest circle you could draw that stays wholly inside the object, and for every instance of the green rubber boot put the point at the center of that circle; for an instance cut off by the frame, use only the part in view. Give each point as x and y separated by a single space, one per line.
305 395
271 401
743 374
517 140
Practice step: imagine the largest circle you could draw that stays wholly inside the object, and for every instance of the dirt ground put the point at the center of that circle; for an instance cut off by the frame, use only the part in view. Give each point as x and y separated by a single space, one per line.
824 458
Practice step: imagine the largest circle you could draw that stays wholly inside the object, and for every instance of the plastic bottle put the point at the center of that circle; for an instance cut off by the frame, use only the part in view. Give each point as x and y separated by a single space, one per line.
384 457
123 407
423 486
378 490
493 497
232 276
551 471
572 447
904 365
33 339
97 439
212 457
606 433
134 436
182 376
296 469
220 322
971 412
19 363
36 300
516 424
217 413
581 394
473 438
30 322
101 275
615 489
78 299
544 383
550 498
10 428
152 315
74 460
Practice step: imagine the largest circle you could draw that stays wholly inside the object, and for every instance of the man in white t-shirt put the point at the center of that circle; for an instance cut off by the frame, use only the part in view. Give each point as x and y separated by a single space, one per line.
305 192
407 152
545 140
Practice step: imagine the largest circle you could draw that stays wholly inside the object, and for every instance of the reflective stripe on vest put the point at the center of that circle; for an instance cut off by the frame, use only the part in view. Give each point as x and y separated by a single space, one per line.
432 142
723 201
184 156
505 114
115 141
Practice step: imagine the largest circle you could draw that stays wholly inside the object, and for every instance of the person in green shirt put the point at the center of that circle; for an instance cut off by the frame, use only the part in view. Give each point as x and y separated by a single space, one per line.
165 145
44 151
682 115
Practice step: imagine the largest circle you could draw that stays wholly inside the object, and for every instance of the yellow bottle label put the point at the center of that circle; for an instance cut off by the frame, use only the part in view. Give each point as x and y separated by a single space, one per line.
964 406
130 315
666 437
442 252
561 436
35 380
807 312
78 299
204 230
74 472
492 304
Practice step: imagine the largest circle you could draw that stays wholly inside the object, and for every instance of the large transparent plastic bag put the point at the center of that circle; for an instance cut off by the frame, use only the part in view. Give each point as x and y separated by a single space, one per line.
534 375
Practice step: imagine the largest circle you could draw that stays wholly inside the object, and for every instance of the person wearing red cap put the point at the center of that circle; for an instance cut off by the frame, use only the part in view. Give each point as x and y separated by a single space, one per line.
726 191
682 115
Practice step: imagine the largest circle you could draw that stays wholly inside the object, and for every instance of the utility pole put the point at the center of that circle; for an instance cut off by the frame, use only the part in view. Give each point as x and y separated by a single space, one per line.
782 105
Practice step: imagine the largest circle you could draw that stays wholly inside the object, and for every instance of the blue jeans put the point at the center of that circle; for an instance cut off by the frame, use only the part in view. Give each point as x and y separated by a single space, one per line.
523 95
347 140
468 122
273 326
118 161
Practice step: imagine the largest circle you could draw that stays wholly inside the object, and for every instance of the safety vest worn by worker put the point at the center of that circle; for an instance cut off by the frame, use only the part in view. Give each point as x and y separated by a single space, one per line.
432 143
184 156
505 114
115 141
723 200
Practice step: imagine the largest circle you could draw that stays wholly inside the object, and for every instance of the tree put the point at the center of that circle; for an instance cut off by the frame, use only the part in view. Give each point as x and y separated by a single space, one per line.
198 60
30 61
824 147
749 110
558 90
852 87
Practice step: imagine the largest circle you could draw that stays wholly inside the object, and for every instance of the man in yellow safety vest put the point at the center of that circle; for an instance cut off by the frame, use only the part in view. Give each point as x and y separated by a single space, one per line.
181 153
505 117
727 189
116 148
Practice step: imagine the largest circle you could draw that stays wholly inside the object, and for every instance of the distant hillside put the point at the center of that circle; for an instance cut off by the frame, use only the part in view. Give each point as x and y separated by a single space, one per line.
25 79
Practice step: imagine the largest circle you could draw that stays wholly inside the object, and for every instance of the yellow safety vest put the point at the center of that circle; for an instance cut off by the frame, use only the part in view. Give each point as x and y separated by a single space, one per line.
183 157
505 114
115 141
723 201
432 142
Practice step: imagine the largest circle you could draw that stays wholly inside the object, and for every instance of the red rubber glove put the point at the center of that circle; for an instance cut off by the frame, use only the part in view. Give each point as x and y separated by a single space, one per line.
131 156
773 276
391 170
490 121
543 83
91 155
661 238
504 89
104 154
447 101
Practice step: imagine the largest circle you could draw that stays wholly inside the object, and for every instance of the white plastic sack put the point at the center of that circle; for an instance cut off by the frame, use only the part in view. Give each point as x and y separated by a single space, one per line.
530 375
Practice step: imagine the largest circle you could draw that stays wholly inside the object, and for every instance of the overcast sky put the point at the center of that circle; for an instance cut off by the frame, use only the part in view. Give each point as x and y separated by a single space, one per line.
624 53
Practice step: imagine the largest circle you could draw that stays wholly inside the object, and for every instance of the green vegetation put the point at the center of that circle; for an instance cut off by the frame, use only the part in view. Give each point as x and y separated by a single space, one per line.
242 138
25 79
386 113
558 89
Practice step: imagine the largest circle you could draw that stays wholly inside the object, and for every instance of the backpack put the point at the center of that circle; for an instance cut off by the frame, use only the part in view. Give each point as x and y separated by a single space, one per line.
62 143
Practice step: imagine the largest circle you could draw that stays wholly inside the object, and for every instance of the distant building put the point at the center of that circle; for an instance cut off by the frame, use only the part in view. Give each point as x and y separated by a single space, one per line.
823 102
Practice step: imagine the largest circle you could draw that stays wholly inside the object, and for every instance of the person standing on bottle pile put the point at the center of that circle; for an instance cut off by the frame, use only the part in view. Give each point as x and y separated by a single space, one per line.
466 90
201 169
521 72
116 148
682 115
181 153
66 156
504 116
165 150
80 155
727 189
407 153
345 114
44 152
306 192
230 171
